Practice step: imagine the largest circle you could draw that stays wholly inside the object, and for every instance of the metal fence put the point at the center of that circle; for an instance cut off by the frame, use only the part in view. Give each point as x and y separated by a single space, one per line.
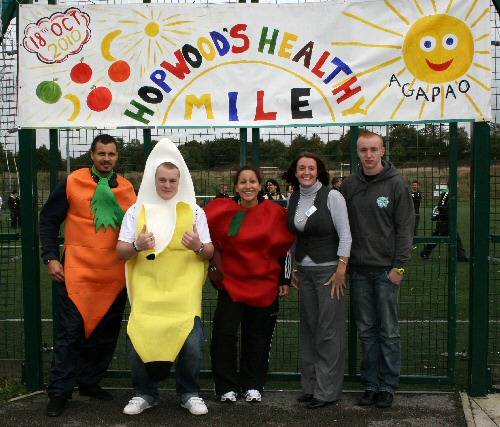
434 299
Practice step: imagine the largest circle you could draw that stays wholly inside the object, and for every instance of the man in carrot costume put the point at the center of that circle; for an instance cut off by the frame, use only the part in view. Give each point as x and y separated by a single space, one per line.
91 295
166 242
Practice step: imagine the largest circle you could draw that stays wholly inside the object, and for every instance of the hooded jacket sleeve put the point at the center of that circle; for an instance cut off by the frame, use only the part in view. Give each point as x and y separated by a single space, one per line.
404 221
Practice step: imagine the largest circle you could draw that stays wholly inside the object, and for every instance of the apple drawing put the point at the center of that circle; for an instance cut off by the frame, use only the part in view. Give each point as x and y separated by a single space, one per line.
99 98
119 71
81 72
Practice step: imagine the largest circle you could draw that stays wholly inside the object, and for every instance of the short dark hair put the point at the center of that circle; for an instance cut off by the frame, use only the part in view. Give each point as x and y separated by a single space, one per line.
167 165
103 138
415 181
323 176
247 168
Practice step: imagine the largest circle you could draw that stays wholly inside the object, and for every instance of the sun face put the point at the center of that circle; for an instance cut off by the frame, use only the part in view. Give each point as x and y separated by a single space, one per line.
438 48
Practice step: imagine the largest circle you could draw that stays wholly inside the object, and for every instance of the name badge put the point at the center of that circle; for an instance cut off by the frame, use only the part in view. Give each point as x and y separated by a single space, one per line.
310 211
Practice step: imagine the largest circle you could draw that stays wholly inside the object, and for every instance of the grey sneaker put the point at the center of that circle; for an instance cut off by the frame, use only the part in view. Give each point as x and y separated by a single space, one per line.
230 397
253 396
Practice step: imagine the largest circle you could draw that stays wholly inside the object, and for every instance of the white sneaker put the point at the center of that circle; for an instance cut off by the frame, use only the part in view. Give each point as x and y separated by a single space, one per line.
253 396
137 405
230 396
196 406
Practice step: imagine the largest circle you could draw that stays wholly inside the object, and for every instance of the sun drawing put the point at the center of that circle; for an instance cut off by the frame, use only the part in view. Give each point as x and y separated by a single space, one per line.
439 47
144 39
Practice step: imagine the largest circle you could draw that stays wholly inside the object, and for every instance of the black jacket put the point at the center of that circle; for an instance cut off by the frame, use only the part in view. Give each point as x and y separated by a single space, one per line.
381 216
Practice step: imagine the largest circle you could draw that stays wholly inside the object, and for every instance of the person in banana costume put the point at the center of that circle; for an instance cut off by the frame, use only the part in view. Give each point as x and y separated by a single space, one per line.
167 245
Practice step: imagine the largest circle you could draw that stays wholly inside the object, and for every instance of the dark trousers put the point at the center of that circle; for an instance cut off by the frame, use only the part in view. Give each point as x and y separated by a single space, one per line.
15 219
80 360
442 229
417 220
257 327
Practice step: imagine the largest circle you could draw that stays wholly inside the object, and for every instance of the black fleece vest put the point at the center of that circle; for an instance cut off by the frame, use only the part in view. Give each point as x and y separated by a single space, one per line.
319 239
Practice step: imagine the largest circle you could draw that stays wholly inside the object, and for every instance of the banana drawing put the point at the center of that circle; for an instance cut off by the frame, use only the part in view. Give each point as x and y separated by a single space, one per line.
106 44
76 106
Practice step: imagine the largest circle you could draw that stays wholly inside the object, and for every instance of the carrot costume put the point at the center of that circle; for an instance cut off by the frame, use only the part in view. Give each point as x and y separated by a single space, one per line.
94 274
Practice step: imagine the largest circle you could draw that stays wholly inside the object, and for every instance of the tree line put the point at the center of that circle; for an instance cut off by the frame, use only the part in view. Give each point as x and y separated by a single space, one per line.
404 145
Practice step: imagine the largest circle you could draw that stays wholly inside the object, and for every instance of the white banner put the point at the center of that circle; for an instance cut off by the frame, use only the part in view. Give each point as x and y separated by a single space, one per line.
254 65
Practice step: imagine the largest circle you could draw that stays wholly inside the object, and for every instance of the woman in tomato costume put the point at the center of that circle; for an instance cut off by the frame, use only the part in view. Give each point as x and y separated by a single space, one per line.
252 237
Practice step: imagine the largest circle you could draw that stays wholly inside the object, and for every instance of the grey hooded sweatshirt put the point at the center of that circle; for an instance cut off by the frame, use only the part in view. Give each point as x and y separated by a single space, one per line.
381 217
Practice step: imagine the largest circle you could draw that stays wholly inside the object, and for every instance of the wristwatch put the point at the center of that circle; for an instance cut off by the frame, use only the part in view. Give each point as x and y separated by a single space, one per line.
200 250
399 270
46 261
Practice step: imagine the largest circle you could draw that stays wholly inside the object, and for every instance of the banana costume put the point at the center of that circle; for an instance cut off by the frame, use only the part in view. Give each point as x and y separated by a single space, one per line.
165 292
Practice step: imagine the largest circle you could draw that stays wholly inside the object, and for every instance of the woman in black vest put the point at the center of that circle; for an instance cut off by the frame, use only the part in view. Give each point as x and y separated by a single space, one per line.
318 217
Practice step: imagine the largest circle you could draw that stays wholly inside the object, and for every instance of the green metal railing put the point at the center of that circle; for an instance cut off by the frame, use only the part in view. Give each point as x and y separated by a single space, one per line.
434 310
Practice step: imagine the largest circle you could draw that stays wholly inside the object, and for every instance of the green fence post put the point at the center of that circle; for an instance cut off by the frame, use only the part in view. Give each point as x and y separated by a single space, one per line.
256 147
243 146
353 331
54 175
148 143
479 378
32 367
452 251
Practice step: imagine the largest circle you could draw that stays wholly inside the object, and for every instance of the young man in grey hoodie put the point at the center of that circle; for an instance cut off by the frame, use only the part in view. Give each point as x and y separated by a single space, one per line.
381 217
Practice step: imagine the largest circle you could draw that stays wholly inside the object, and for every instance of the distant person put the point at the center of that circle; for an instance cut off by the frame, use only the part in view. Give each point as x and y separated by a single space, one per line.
90 295
252 238
381 215
14 203
166 242
416 197
440 216
223 192
336 183
317 215
289 190
272 191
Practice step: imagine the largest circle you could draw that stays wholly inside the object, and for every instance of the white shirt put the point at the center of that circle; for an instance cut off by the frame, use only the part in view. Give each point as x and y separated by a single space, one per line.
129 225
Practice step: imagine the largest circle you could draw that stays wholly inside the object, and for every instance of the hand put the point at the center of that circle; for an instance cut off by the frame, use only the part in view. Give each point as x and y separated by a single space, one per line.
395 277
295 280
191 239
145 240
283 290
338 284
56 270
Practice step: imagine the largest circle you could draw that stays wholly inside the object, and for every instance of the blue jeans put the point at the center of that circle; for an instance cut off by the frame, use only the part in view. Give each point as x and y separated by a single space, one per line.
187 369
375 305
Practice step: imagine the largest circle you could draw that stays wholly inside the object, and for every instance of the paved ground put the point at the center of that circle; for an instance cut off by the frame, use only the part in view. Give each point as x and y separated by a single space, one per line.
277 409
482 411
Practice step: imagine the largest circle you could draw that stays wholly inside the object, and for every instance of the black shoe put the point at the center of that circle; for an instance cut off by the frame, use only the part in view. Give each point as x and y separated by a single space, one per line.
369 398
94 391
463 259
424 255
384 399
305 398
316 403
56 406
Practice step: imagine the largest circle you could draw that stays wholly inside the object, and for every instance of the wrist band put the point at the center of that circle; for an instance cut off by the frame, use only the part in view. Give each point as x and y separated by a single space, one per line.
199 251
341 260
134 245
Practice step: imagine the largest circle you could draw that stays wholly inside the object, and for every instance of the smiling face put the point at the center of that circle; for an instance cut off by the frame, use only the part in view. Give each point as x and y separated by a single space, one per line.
438 48
248 188
307 171
167 182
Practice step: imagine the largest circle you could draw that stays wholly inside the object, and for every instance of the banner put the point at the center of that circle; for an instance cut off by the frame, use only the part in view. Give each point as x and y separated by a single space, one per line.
254 65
